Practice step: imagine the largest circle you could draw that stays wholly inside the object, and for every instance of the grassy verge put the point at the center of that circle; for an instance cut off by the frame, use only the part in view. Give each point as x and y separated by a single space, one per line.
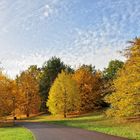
15 133
98 123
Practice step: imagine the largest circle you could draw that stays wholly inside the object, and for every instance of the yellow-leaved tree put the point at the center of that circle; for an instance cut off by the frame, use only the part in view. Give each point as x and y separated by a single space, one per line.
125 101
63 95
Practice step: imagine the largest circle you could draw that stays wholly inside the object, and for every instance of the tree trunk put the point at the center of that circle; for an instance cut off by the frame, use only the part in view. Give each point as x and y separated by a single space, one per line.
65 105
27 114
65 115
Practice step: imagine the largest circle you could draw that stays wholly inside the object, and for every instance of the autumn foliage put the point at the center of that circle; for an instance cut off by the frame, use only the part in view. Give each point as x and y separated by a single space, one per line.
28 87
125 101
6 93
89 88
59 89
64 95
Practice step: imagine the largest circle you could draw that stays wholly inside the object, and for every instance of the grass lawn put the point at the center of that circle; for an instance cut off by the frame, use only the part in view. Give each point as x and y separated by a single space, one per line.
97 122
15 133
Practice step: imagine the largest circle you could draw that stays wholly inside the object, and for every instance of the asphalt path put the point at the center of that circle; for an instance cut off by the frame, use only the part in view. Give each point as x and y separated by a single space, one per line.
44 131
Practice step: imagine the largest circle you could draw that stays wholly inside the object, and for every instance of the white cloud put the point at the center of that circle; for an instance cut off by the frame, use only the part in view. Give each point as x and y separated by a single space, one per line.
48 10
14 63
95 46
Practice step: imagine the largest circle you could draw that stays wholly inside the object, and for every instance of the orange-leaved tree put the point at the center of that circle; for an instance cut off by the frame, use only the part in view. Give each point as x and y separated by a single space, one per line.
7 95
89 83
28 86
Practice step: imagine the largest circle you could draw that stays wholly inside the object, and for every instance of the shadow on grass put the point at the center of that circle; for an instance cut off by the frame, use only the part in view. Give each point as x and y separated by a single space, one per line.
7 123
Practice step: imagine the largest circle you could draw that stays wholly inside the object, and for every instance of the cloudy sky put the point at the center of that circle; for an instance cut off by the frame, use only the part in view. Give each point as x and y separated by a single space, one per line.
77 31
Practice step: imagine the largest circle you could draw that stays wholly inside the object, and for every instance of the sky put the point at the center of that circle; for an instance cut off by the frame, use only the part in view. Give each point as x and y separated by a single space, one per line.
77 31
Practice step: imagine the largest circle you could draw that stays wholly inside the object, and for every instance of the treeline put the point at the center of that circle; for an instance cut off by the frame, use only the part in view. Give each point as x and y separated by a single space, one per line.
59 89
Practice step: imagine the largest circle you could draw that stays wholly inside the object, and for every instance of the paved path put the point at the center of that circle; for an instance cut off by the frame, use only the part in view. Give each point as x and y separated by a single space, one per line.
56 132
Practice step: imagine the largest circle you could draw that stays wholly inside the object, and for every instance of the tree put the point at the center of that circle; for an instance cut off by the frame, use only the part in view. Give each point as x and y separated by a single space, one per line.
113 67
28 86
7 92
68 69
109 74
63 95
89 86
89 68
50 70
125 101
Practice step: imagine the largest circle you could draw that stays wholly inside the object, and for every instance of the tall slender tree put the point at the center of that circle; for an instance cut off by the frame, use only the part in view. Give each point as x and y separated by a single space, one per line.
28 86
50 70
7 92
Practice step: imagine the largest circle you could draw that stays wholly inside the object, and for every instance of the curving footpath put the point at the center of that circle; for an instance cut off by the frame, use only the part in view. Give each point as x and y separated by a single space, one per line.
44 131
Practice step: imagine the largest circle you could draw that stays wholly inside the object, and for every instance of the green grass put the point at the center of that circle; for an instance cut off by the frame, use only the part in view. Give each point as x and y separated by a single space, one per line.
97 122
15 133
